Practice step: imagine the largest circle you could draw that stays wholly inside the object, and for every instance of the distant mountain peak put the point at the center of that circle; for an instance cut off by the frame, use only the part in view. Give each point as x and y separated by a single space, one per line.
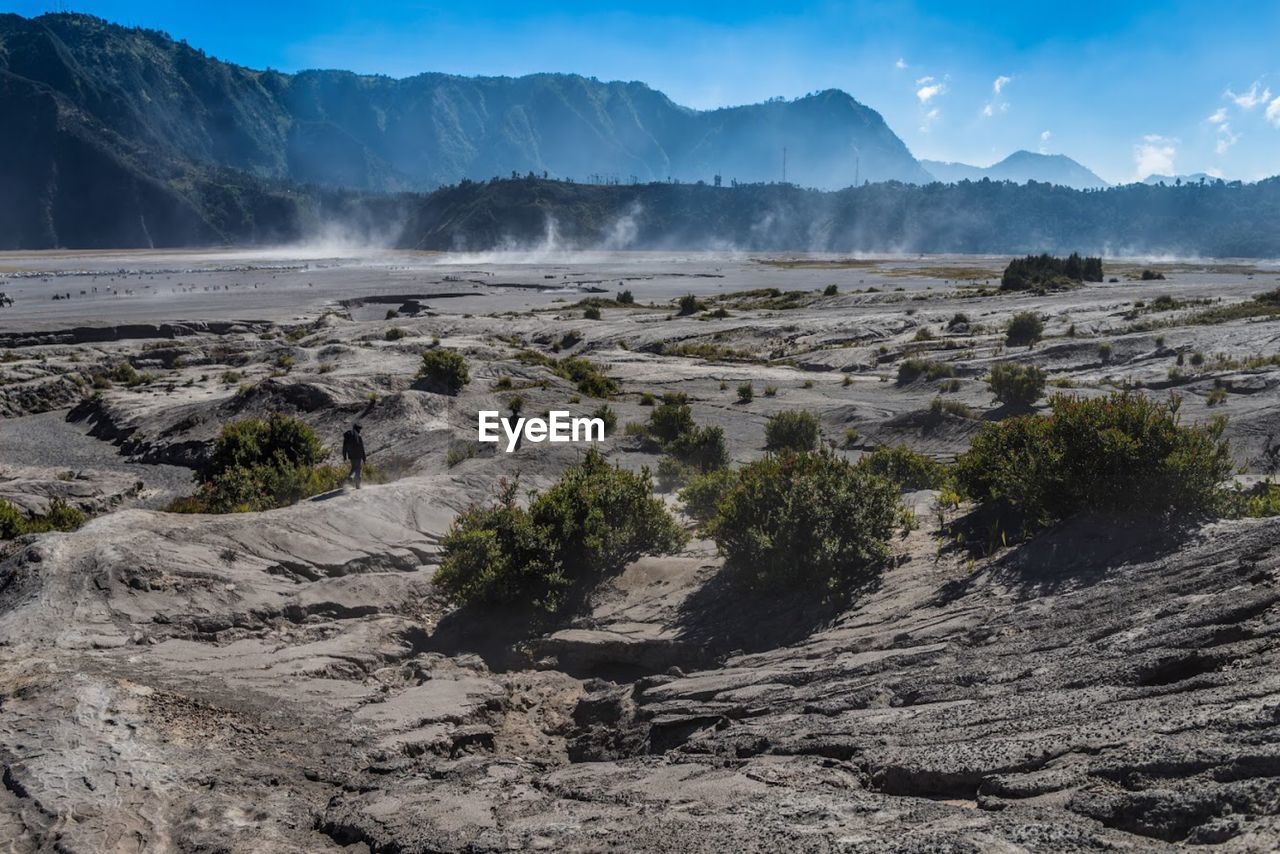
1020 166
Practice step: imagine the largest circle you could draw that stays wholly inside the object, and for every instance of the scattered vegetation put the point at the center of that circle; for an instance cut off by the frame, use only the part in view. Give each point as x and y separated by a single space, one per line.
906 468
809 520
701 495
60 516
588 525
445 369
1044 272
791 430
913 369
589 378
1016 384
690 304
1024 329
1123 452
260 464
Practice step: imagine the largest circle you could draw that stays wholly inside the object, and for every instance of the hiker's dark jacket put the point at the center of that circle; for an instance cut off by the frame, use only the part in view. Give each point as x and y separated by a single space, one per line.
352 446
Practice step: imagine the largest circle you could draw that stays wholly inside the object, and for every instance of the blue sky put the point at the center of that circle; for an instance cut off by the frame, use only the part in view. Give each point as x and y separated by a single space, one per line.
1125 88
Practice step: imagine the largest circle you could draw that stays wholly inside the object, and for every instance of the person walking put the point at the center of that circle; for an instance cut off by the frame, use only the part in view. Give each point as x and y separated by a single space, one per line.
353 451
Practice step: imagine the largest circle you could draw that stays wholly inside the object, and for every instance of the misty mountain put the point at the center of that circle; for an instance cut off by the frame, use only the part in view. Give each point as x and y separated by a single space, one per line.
1020 167
1193 178
973 217
83 98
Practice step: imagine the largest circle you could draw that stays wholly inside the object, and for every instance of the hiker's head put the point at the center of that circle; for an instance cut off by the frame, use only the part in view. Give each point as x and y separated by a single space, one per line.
356 428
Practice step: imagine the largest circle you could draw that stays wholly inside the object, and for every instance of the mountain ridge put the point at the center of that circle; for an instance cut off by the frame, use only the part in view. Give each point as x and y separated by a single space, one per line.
1021 166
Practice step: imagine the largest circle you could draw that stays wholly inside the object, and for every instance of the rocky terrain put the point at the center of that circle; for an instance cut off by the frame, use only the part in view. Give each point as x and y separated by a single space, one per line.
291 681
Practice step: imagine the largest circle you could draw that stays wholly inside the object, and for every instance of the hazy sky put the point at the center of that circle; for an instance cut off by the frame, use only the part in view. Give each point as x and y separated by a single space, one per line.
1125 88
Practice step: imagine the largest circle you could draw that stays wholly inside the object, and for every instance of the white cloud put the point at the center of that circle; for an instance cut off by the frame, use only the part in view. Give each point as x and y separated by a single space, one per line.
1213 173
1219 116
987 111
1226 138
900 64
930 90
1252 98
999 83
1045 136
1273 112
928 120
1155 155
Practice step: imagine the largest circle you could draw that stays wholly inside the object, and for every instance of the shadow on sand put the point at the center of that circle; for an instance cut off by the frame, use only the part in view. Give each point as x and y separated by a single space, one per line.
1076 553
723 617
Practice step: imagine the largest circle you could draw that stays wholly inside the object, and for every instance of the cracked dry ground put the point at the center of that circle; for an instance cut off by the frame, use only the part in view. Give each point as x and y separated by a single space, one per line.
290 683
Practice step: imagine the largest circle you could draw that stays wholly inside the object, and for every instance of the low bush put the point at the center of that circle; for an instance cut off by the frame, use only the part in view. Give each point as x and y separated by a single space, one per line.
670 420
913 369
689 304
671 474
905 468
809 520
702 448
260 464
702 494
1123 452
746 392
589 524
606 414
1025 328
1016 384
791 430
60 516
445 369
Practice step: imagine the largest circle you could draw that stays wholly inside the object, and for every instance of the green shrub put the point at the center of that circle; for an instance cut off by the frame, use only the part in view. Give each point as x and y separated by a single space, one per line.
905 468
445 369
689 304
702 448
746 392
278 440
1025 328
670 420
830 291
809 520
260 464
12 522
606 414
459 452
589 377
591 312
959 320
703 492
671 474
395 333
792 430
771 391
61 516
912 369
1123 452
626 298
647 399
589 524
1015 384
1105 351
